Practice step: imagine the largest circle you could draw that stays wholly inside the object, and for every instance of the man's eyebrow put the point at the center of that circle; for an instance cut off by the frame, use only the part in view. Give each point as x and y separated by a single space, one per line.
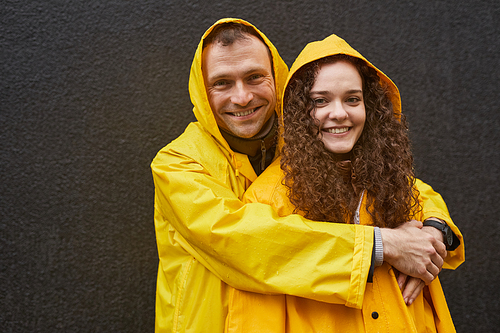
224 75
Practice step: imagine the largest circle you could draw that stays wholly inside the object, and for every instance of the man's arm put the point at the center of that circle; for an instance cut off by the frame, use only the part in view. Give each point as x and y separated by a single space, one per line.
248 246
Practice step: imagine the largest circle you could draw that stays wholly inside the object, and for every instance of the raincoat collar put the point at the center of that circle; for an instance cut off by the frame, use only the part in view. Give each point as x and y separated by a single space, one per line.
197 91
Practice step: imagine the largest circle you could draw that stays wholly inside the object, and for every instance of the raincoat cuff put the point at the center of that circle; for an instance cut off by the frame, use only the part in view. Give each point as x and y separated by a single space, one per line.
363 249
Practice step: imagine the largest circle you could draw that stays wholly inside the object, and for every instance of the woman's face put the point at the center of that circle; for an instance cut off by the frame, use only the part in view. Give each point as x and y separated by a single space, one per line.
339 106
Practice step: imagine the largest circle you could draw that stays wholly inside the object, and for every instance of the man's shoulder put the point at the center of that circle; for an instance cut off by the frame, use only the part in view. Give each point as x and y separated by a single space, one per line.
193 135
193 140
194 144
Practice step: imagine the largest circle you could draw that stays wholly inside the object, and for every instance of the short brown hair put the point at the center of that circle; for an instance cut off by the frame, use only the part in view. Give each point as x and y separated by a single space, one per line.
229 32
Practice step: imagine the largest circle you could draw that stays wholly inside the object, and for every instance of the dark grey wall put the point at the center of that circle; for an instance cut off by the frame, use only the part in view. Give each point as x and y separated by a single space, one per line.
91 90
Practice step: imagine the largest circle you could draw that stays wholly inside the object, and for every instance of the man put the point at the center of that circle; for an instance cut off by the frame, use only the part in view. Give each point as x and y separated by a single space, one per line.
208 239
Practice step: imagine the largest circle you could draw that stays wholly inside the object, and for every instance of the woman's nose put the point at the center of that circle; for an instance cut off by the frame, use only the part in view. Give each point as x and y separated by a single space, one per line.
337 111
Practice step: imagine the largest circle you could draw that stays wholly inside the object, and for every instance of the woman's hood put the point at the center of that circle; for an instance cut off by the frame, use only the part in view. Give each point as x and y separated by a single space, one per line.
333 45
197 91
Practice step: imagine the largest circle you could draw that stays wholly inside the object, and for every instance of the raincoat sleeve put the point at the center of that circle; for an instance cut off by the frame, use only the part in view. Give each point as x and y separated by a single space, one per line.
248 246
433 205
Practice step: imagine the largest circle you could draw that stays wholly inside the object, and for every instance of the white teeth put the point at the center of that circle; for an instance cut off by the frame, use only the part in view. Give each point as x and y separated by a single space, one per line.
244 113
337 130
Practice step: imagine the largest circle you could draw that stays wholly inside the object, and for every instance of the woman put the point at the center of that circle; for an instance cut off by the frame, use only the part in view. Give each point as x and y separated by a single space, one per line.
345 158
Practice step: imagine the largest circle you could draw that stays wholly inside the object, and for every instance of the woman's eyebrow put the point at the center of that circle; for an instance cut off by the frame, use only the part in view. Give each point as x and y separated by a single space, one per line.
323 92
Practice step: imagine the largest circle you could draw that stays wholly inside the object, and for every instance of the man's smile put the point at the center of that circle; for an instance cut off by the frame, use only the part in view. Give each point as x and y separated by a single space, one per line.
244 113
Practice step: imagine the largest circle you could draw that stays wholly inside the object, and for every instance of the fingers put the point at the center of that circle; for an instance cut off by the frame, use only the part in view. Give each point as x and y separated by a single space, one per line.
437 242
437 254
413 288
437 259
433 267
441 249
432 273
428 277
402 280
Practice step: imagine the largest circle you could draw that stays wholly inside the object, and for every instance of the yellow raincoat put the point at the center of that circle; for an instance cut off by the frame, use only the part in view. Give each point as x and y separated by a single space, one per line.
378 308
209 240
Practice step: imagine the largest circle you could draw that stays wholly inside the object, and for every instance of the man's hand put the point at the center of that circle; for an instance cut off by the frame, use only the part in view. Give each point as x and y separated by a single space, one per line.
410 286
413 251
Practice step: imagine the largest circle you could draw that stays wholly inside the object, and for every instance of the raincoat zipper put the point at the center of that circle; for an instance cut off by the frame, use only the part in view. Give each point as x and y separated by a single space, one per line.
263 151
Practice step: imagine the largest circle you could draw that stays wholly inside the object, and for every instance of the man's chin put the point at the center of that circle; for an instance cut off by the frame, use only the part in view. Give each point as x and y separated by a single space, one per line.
245 133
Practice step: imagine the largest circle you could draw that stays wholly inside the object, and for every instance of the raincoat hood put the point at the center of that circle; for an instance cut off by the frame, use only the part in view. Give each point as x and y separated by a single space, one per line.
197 91
333 45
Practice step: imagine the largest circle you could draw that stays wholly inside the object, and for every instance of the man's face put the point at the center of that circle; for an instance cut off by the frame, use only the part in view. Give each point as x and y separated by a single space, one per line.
240 85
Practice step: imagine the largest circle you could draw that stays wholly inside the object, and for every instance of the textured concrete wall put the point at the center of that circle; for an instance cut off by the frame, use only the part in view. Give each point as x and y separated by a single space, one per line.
91 90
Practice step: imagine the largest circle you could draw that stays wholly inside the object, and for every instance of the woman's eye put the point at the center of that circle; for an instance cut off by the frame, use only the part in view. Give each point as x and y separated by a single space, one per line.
319 101
353 100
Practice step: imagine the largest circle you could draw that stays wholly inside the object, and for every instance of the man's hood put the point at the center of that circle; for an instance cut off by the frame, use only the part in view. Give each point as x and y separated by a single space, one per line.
333 45
197 91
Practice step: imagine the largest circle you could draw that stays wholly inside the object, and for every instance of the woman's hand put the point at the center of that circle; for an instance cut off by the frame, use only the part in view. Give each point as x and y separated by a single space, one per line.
410 286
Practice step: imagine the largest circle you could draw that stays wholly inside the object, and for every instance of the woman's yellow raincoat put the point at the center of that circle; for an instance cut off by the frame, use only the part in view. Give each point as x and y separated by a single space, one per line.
209 240
378 308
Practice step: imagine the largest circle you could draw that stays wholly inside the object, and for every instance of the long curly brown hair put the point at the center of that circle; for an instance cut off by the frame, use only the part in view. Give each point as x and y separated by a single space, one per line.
381 160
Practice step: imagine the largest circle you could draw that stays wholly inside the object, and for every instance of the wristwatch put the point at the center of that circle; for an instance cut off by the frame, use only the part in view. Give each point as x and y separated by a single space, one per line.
450 239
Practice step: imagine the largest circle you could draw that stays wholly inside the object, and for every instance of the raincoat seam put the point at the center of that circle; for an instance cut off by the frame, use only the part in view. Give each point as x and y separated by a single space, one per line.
180 293
377 288
230 305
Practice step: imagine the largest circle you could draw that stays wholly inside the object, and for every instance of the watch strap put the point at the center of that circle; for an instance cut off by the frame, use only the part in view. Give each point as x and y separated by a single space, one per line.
451 243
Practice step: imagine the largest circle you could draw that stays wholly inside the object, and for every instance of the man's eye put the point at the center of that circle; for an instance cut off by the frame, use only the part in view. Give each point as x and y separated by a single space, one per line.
220 83
255 76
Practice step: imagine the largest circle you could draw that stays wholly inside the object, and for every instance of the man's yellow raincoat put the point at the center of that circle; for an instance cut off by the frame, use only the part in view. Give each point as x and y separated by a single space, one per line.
209 240
380 308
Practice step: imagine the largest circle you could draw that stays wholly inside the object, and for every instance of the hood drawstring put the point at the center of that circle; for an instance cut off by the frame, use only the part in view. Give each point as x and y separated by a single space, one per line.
356 214
235 162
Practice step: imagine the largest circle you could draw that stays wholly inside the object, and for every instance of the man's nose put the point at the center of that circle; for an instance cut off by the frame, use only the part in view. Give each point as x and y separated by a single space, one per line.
337 111
241 94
